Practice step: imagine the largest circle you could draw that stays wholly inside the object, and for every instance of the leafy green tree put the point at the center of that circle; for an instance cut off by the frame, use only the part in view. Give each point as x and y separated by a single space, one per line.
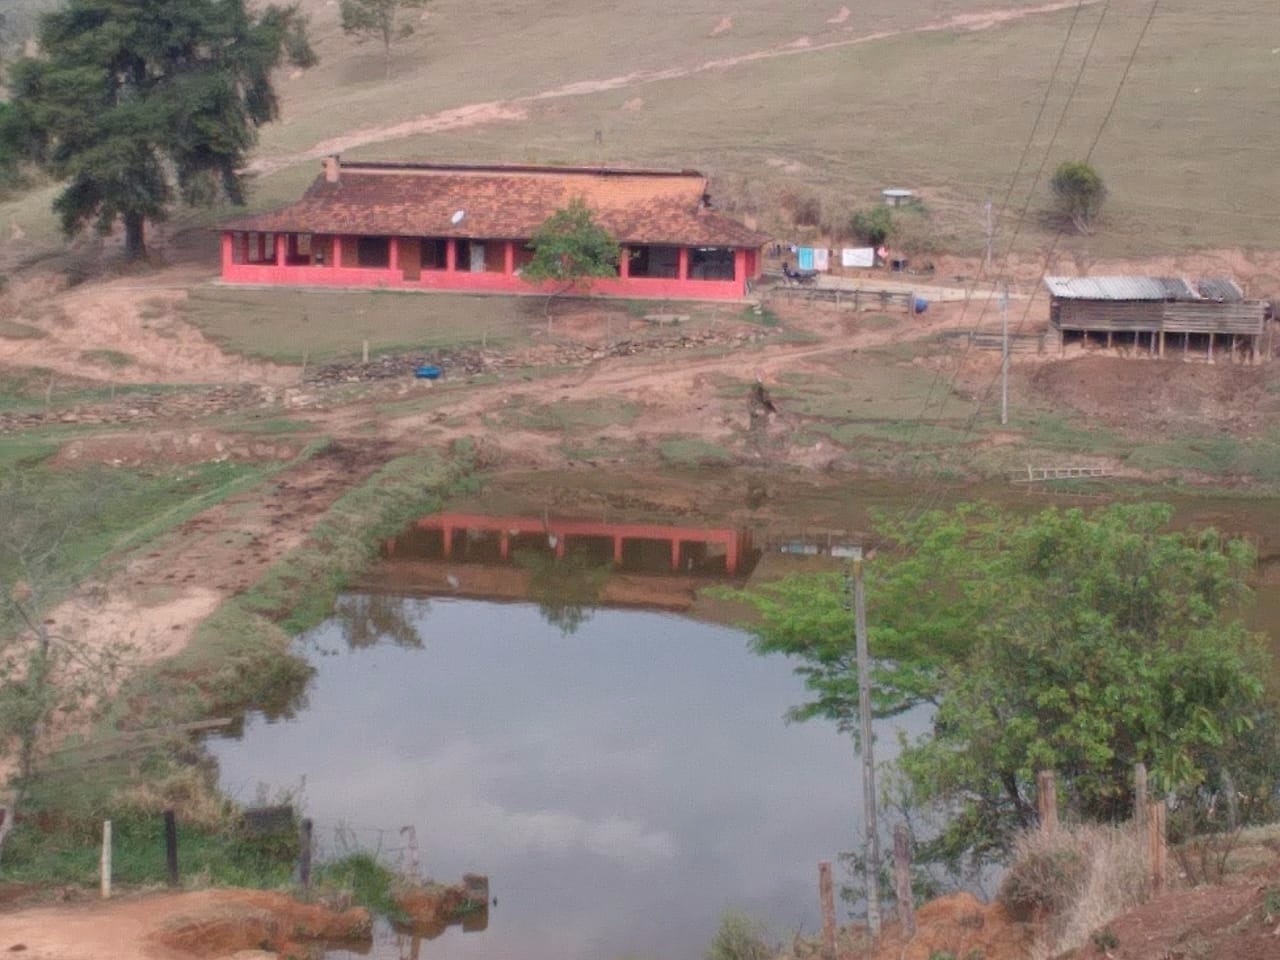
1081 643
874 225
570 250
1079 192
382 19
134 102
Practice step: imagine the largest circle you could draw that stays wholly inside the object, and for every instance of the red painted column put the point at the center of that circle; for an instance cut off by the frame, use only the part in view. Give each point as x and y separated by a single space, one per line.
732 549
617 550
624 263
450 255
393 255
281 250
447 545
504 545
509 258
739 265
337 250
683 271
226 251
675 554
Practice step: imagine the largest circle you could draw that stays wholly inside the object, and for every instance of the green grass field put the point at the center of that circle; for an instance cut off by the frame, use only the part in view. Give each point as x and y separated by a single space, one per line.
946 112
287 326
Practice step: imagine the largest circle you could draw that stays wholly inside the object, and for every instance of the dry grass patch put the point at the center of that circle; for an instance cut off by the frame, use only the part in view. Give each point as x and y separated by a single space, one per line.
1075 880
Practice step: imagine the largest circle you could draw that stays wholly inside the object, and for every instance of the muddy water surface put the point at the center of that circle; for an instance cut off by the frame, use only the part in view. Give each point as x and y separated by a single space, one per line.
621 785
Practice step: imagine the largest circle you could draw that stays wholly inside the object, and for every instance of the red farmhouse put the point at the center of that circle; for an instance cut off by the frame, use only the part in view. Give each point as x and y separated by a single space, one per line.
419 226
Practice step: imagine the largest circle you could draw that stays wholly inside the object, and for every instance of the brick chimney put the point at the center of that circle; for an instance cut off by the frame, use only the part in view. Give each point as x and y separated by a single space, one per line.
332 168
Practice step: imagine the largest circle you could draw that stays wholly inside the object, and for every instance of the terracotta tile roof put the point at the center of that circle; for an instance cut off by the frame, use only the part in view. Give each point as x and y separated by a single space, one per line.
505 203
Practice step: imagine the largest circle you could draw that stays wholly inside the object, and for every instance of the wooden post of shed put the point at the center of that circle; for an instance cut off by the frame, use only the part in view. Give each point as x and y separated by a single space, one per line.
1162 343
902 879
826 895
1047 800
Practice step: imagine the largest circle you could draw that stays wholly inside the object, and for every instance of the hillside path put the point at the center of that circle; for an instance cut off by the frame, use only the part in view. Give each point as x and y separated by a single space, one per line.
516 109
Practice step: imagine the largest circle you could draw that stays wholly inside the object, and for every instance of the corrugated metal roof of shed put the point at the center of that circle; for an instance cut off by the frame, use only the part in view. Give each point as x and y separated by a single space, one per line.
1223 289
1120 288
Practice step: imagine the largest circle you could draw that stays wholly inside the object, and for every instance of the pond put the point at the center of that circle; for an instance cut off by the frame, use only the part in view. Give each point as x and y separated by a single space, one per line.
622 773
621 785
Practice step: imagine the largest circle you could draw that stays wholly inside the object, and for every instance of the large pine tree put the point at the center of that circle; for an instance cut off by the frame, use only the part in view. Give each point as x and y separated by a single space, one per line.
134 103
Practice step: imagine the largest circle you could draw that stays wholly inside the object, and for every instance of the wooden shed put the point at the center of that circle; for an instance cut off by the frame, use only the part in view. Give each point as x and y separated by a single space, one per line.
1210 317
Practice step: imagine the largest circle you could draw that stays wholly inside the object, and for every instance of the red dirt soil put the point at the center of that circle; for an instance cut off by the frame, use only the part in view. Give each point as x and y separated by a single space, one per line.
958 926
177 926
1237 921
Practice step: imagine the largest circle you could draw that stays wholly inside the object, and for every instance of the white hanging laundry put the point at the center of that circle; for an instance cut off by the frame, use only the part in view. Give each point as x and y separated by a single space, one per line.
858 257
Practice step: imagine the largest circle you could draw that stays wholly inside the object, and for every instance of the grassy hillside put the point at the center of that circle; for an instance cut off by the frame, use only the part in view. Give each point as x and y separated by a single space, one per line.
945 111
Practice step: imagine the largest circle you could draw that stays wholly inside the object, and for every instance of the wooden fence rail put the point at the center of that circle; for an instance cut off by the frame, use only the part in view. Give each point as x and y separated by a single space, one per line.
845 299
1041 474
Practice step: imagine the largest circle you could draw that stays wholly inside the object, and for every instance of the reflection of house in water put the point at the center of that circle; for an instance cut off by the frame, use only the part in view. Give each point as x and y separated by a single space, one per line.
650 565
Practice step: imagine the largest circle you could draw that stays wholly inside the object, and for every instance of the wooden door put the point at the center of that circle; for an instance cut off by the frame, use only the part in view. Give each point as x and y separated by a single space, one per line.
411 257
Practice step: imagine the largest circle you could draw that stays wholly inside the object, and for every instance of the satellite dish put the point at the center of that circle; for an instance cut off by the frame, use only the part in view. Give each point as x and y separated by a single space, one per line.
457 216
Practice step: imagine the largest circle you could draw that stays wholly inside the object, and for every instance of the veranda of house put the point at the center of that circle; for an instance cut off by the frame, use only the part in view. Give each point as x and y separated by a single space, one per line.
419 226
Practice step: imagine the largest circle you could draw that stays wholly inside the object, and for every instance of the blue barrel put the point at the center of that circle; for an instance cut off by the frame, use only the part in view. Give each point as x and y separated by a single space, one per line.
920 305
428 372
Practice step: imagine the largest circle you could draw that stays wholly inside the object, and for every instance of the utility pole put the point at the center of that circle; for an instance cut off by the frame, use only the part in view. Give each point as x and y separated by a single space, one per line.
1004 356
991 234
872 838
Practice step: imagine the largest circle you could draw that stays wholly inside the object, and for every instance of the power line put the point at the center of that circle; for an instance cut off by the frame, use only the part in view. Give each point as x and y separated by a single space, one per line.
985 395
930 494
1044 102
1133 55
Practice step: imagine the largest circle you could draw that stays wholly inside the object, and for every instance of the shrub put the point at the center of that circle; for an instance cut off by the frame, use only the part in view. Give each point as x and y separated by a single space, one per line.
1044 878
370 884
873 226
1077 879
740 937
1105 939
1079 192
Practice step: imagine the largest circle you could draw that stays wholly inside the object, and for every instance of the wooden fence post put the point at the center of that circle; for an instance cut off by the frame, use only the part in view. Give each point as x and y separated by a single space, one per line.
1158 844
171 846
826 894
304 855
1140 797
1047 800
105 865
902 879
